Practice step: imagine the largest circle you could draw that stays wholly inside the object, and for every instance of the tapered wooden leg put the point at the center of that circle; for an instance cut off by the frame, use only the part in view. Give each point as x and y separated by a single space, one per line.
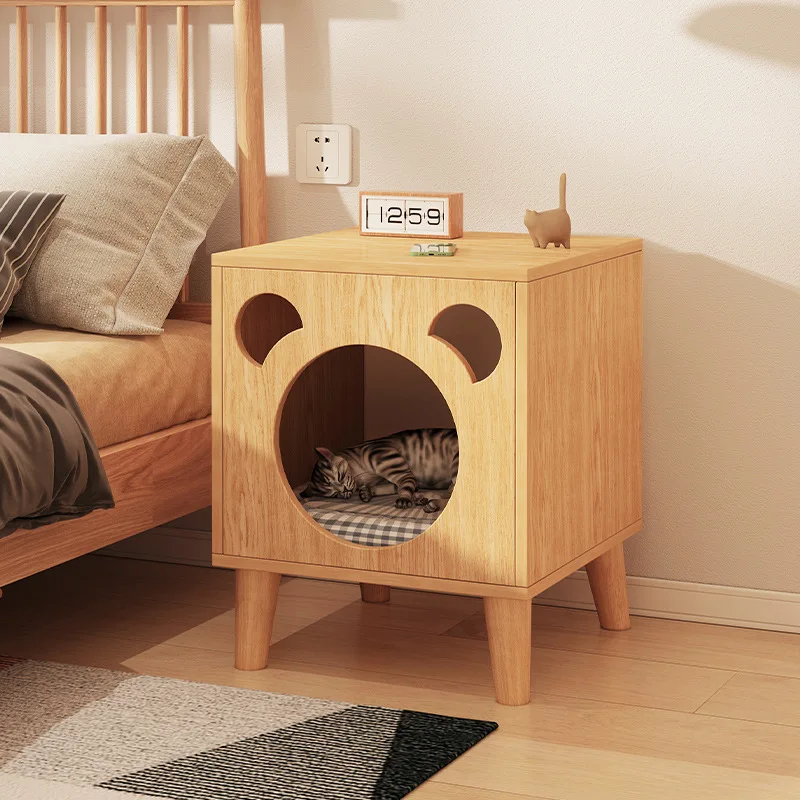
508 623
607 580
375 593
256 600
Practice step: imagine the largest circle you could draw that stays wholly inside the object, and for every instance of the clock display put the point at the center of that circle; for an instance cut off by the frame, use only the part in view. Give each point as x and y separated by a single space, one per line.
408 215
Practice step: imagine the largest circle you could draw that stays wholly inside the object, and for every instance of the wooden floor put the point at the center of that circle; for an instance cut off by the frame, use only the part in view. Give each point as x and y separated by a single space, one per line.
666 710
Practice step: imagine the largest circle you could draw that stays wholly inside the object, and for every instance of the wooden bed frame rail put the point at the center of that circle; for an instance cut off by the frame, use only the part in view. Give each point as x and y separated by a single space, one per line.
164 475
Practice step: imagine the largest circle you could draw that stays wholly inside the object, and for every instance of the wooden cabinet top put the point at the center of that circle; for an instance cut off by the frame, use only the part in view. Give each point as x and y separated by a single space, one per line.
480 256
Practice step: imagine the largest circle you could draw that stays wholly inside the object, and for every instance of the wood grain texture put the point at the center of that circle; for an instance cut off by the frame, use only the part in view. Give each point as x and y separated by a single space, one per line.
759 698
182 24
182 33
141 69
22 69
61 69
398 580
522 435
473 540
480 256
195 312
217 388
256 603
607 580
568 567
375 593
261 323
461 587
584 410
597 727
155 478
339 378
101 69
508 624
250 121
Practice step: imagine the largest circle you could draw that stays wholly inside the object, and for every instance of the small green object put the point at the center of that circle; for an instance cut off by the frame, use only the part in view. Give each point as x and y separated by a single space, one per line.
436 249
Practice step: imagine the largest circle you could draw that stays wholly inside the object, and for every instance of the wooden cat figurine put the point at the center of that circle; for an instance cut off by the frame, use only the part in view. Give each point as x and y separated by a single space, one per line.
551 226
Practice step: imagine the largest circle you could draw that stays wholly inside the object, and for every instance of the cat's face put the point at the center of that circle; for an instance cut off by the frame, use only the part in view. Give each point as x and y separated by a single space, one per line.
331 477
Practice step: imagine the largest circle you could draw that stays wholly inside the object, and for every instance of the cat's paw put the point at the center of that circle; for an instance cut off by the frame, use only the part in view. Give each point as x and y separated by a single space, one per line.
420 499
431 507
365 494
403 502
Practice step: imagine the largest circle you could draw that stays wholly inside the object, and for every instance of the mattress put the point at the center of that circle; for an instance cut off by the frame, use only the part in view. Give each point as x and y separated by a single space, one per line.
378 523
126 386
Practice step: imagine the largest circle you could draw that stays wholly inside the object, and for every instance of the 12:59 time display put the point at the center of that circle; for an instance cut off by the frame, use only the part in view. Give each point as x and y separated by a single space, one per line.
417 215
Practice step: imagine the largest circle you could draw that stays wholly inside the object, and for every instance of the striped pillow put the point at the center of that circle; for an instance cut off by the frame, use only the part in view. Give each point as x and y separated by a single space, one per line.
25 219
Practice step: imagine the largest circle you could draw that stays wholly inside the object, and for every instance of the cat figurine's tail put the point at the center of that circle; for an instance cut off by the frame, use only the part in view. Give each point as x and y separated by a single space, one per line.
562 192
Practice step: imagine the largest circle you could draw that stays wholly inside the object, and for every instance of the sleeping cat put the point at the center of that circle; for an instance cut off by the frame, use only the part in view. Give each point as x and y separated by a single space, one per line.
401 463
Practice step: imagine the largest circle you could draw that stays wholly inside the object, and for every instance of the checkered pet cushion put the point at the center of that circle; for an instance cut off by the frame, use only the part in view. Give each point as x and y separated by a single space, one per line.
378 523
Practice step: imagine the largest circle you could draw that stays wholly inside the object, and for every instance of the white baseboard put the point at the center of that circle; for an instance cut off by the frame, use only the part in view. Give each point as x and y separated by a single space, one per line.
649 597
696 602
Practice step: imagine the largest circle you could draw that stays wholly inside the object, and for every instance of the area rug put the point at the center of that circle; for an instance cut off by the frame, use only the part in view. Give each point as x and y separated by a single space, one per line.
81 733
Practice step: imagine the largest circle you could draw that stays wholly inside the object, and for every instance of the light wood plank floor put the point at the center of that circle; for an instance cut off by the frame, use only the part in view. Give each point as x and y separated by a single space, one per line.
666 710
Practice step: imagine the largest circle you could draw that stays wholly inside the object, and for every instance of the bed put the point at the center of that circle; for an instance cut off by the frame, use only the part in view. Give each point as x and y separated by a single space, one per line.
158 456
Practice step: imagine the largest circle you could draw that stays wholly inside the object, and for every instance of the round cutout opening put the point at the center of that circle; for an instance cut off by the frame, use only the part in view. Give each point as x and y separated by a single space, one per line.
263 321
369 446
473 334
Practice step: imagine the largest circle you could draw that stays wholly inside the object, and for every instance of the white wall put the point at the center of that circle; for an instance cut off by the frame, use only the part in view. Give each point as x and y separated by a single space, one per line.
675 121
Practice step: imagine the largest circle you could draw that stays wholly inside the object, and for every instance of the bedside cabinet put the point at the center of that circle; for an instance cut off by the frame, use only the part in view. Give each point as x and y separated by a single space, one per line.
549 431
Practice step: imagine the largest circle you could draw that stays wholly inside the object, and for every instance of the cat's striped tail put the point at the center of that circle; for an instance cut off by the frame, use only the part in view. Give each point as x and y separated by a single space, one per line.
562 192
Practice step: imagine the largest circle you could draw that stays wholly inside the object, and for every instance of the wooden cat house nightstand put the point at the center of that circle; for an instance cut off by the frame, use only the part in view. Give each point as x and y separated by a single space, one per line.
550 439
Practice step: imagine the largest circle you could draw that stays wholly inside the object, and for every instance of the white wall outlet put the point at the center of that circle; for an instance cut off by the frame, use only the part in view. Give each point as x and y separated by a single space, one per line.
324 153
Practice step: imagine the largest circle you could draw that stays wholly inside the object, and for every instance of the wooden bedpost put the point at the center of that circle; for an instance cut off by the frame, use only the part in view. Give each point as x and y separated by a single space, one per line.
250 121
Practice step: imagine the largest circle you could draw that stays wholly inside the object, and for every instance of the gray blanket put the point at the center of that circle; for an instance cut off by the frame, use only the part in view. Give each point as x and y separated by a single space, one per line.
50 469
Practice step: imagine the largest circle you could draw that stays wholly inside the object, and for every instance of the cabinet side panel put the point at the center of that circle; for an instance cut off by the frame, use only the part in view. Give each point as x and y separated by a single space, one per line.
584 410
522 438
217 373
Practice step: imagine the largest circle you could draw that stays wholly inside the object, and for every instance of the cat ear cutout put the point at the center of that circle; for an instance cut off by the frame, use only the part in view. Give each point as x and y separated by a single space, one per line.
473 335
263 321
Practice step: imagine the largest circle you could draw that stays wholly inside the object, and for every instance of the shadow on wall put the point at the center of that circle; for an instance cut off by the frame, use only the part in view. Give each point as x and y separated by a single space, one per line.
300 209
721 424
765 30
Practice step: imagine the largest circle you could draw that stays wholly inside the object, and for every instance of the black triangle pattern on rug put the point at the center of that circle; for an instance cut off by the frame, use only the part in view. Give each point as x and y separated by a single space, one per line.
424 744
361 753
337 756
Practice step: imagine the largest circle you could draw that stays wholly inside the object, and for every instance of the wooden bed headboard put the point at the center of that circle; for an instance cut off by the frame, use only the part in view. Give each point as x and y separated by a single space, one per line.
249 96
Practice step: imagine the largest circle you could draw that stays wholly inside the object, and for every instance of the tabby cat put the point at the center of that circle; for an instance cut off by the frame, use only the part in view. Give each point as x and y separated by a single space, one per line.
401 463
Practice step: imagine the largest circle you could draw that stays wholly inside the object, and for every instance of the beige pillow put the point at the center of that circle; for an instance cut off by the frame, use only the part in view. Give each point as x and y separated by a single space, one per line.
137 208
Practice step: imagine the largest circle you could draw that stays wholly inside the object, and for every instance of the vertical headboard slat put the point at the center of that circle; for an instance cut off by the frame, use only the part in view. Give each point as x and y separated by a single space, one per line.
141 69
61 69
22 69
182 25
101 68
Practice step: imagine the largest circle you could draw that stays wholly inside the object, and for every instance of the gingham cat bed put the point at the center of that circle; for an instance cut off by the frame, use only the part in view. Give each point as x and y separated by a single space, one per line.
378 523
